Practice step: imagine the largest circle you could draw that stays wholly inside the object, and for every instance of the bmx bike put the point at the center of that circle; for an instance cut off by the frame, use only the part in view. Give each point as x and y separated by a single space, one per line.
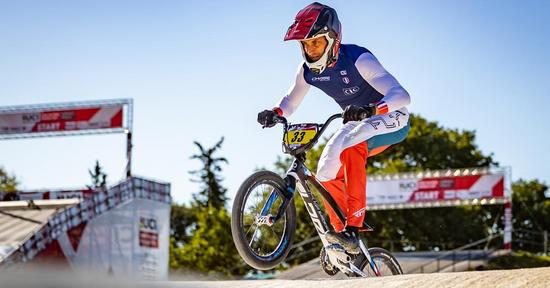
263 219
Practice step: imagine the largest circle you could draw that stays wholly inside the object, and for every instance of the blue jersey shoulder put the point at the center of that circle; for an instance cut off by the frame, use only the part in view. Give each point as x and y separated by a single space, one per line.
344 82
349 52
352 52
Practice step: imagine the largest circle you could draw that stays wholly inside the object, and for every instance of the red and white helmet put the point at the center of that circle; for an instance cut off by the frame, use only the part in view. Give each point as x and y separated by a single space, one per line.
317 20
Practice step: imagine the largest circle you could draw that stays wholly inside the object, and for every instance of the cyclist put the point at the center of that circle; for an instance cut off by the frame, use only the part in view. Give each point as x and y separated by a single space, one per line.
374 115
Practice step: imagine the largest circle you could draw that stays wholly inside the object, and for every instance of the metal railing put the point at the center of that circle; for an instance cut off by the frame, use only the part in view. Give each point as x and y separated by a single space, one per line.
532 240
410 246
453 253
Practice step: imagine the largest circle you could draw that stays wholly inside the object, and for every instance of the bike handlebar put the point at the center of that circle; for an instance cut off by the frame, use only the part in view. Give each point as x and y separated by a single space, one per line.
323 128
282 120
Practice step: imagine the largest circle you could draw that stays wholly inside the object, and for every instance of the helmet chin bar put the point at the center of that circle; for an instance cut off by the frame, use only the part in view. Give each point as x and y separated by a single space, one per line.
319 66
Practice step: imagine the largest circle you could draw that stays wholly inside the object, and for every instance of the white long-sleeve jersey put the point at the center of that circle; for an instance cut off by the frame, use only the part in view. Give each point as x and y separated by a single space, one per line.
357 78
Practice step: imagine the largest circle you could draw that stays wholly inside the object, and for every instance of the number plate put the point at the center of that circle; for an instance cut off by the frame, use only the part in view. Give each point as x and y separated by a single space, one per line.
299 136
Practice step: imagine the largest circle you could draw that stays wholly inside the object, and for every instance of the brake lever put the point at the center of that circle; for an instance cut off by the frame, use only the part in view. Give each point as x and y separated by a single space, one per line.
282 120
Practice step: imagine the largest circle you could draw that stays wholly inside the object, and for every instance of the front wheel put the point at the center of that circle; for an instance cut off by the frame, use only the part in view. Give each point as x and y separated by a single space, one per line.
262 243
387 264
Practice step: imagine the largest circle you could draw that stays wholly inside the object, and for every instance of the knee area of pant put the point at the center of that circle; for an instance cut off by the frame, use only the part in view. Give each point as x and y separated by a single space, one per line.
323 175
325 169
360 150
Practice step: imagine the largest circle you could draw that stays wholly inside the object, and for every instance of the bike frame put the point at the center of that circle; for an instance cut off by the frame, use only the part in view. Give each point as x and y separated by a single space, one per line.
299 177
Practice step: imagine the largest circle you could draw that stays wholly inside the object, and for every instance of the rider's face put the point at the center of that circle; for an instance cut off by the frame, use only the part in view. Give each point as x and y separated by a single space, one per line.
314 47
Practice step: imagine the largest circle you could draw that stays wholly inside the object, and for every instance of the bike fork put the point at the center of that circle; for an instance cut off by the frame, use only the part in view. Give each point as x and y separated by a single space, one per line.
267 219
371 262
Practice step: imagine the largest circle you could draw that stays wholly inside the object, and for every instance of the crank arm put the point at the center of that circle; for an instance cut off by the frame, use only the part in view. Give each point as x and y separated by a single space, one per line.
357 271
351 269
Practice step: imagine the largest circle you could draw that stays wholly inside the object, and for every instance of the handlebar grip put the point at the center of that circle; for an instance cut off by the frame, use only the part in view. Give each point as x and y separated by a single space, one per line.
279 119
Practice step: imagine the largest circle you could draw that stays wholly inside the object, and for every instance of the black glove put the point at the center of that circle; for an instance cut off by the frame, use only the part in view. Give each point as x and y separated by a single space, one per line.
358 113
267 118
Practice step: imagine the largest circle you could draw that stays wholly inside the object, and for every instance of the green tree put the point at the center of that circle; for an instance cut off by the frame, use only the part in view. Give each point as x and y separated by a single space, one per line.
531 214
183 220
211 193
201 239
211 248
99 178
174 255
430 146
8 185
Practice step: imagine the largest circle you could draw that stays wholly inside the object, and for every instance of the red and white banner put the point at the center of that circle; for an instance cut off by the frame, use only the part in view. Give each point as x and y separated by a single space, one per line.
56 194
61 119
148 232
416 190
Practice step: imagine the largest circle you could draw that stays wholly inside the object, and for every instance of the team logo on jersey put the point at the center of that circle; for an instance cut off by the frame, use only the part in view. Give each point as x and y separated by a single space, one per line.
343 72
351 91
321 78
345 79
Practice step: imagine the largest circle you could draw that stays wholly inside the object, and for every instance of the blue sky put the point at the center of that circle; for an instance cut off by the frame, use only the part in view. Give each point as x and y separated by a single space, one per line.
199 70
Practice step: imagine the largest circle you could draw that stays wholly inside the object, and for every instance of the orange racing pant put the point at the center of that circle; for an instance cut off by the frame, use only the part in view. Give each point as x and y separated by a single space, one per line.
342 165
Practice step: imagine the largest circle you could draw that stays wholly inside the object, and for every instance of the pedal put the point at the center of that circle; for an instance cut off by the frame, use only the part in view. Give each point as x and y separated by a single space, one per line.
336 247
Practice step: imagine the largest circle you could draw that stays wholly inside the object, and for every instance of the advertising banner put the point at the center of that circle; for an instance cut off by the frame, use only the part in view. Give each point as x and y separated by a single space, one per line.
55 194
392 189
70 118
61 119
148 232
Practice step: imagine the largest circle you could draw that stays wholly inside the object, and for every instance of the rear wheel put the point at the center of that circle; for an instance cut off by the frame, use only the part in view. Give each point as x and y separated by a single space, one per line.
387 264
262 244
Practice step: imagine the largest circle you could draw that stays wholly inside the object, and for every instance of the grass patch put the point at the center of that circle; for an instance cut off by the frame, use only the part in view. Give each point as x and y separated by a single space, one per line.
516 260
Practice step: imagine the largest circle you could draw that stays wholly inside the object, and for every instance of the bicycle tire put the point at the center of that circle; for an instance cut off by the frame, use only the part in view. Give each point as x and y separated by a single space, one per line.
380 255
237 229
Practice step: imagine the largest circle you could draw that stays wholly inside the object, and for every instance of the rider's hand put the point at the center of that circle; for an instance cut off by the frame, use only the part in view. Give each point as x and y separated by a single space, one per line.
358 113
267 118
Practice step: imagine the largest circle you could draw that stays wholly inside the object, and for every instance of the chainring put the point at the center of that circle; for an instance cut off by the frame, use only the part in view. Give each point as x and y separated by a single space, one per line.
330 269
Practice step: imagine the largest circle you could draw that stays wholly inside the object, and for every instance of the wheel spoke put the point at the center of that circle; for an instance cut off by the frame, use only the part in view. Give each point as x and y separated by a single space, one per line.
384 265
262 239
251 226
262 246
254 238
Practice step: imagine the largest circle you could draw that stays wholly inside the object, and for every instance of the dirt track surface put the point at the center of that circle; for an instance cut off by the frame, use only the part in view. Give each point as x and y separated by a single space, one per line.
531 278
535 277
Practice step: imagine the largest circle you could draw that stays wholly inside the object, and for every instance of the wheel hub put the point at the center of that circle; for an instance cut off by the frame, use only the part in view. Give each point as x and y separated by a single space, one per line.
264 220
